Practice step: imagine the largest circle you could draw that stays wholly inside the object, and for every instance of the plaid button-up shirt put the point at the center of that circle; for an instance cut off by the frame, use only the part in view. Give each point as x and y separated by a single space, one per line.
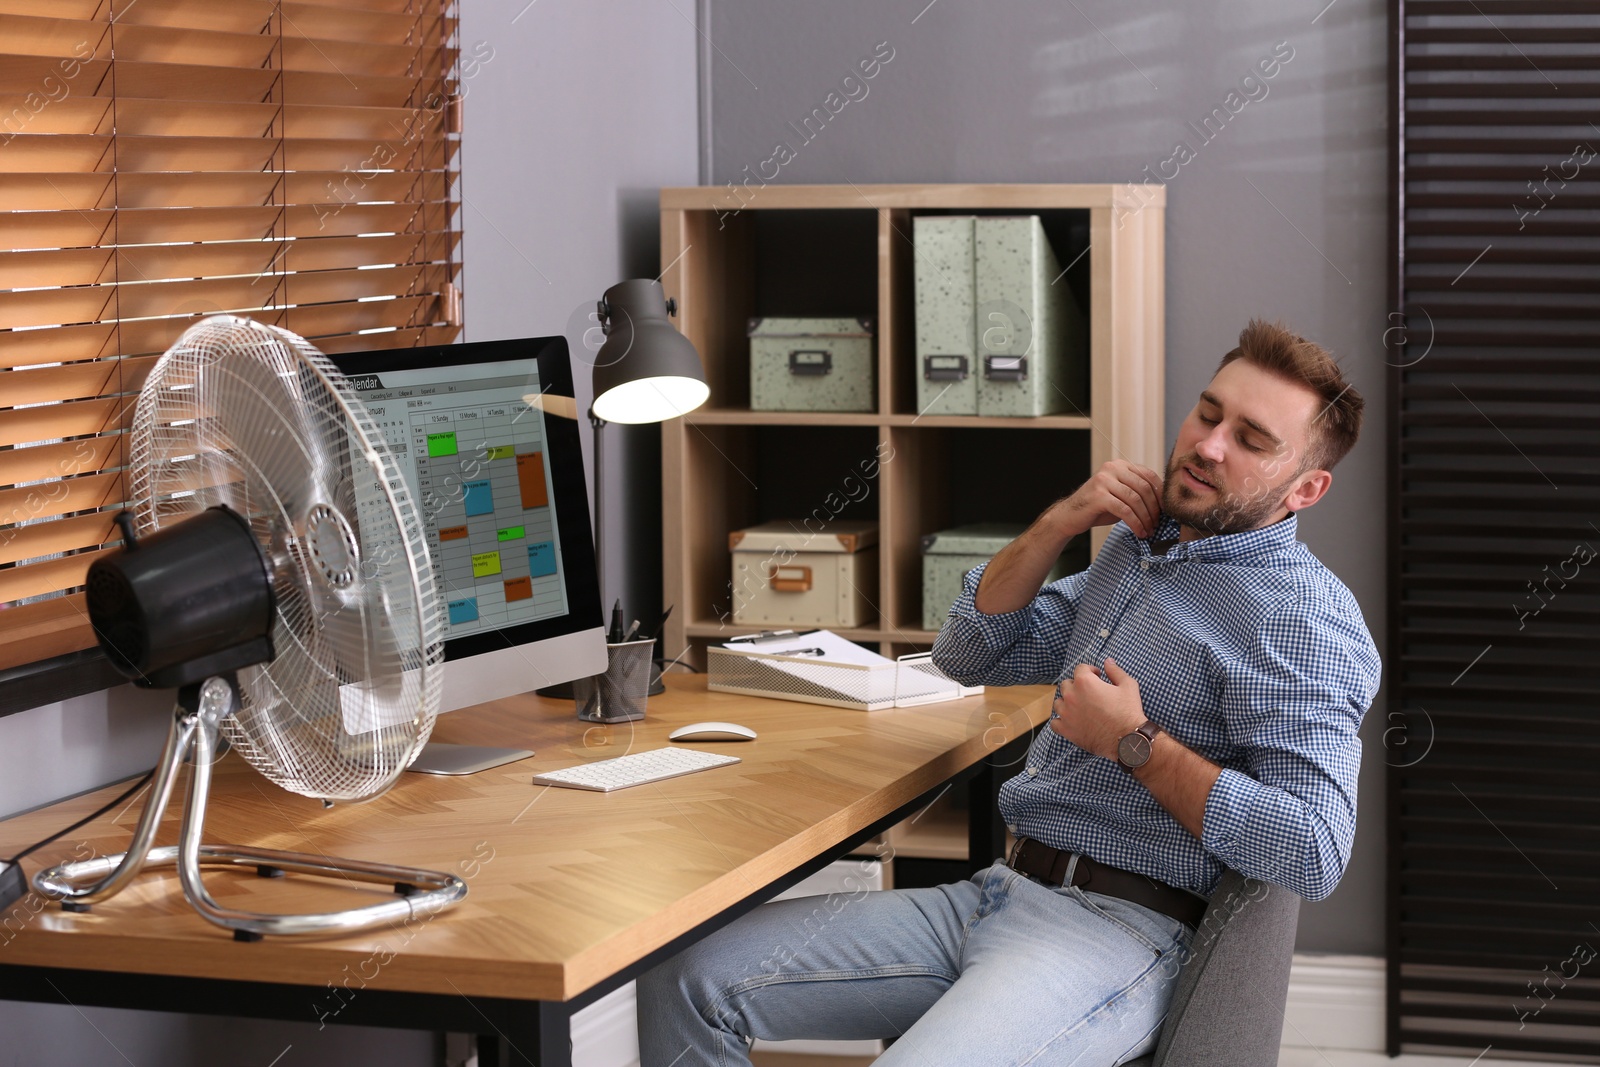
1246 649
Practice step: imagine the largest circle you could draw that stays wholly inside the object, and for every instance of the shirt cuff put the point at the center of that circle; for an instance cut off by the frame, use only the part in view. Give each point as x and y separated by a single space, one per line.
1227 816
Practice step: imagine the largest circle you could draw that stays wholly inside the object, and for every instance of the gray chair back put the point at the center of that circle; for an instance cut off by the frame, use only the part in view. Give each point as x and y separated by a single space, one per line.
1227 1007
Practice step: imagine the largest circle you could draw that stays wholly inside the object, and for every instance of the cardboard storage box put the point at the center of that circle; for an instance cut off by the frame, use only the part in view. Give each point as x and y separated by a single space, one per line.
785 575
949 554
812 365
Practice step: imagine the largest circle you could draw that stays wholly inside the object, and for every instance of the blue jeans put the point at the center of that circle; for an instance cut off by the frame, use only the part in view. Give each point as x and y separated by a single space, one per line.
998 969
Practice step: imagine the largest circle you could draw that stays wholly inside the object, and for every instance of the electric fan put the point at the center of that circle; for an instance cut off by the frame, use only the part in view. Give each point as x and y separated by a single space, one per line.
274 572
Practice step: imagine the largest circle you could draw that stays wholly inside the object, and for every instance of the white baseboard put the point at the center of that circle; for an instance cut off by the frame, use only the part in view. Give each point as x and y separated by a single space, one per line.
1335 1002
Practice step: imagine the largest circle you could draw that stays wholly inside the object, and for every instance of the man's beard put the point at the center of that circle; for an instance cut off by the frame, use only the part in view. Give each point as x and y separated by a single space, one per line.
1222 511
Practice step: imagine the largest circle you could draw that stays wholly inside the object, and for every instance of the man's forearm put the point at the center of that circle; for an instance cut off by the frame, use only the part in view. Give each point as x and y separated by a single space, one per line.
1118 491
1180 779
1015 575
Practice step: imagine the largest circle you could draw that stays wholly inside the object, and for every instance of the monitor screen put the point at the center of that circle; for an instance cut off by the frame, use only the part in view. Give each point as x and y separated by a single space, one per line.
487 436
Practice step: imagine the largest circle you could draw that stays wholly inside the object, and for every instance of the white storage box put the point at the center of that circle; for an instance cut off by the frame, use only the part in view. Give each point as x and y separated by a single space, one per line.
784 575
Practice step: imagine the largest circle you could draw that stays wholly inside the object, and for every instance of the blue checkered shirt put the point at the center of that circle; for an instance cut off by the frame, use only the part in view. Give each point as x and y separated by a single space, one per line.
1246 649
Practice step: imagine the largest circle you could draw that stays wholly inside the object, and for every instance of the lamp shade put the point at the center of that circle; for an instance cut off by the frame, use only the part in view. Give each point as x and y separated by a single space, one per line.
646 371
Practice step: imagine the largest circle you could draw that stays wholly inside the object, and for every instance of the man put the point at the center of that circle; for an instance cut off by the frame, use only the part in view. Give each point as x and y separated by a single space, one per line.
1211 678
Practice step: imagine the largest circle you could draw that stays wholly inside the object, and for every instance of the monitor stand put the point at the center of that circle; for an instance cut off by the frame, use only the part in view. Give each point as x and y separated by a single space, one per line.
439 757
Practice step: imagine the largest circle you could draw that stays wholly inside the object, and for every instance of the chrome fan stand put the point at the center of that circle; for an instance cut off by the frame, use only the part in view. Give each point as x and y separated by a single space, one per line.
194 733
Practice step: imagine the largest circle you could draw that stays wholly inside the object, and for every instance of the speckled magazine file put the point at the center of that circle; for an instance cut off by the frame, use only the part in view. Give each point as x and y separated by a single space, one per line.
1033 356
812 365
947 378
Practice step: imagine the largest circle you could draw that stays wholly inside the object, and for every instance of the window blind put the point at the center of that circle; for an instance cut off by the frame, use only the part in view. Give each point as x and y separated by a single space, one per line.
162 160
1494 851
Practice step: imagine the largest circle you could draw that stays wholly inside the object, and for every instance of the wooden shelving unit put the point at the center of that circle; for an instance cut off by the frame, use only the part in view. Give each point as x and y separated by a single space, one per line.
847 250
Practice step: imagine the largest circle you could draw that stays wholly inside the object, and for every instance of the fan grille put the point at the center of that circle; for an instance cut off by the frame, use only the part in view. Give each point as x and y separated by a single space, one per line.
250 416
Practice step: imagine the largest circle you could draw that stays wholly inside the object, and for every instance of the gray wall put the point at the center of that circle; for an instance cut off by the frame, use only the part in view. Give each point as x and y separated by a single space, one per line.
1282 214
571 128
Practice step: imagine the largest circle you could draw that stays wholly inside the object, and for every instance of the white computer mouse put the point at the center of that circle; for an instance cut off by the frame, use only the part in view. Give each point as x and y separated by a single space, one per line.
712 731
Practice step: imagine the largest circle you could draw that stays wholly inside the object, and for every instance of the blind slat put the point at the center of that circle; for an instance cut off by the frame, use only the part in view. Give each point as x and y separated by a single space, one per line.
78 381
254 50
45 576
87 266
68 534
61 460
171 81
329 21
38 113
52 76
55 346
55 192
35 35
19 426
30 502
332 23
44 630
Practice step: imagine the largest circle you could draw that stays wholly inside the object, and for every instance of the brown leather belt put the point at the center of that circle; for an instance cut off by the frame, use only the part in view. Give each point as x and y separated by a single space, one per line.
1049 865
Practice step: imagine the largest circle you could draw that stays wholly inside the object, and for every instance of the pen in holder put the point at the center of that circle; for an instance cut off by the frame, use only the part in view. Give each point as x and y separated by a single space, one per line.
619 694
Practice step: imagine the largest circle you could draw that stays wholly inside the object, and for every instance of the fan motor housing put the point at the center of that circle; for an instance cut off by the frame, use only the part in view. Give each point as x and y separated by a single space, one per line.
184 603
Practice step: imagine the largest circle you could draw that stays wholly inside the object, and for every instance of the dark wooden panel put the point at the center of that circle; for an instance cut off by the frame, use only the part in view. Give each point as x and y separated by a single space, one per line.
1494 522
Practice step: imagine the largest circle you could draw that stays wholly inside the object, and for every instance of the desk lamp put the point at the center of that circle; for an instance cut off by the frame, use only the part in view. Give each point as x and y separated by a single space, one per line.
646 371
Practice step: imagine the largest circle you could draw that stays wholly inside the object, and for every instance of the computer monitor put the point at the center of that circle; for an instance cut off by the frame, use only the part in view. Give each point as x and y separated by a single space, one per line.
488 438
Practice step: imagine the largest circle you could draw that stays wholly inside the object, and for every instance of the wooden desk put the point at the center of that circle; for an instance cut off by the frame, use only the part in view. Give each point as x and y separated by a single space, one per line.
570 893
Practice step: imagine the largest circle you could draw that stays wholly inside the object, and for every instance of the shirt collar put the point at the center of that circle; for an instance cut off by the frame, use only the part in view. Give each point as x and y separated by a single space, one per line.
1220 548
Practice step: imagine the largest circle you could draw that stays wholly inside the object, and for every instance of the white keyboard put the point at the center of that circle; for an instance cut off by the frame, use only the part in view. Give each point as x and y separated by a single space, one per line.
637 768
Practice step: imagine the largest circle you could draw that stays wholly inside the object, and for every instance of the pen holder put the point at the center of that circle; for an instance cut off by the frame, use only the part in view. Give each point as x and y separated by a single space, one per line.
619 694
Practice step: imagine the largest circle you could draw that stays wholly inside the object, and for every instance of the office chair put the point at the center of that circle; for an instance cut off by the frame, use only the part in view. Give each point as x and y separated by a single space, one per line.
1227 1007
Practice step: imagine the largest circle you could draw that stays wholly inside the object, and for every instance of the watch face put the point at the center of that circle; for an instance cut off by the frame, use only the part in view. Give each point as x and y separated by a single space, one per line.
1133 750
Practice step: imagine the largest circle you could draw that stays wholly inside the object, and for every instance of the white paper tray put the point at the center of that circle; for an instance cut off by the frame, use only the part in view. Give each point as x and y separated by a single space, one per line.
910 681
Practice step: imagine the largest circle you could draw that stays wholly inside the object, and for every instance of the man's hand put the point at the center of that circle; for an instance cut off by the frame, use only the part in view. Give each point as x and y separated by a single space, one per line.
1118 490
1095 711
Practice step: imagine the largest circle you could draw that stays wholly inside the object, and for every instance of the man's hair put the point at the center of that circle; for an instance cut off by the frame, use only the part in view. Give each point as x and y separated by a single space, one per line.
1334 429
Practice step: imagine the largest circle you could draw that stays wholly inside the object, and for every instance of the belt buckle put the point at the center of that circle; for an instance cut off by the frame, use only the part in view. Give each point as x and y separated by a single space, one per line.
1016 859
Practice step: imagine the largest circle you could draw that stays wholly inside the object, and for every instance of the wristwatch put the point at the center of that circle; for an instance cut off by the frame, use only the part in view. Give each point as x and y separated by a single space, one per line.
1133 750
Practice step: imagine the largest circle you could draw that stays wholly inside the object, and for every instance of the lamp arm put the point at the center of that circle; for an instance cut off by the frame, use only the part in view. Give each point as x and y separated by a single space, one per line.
596 423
